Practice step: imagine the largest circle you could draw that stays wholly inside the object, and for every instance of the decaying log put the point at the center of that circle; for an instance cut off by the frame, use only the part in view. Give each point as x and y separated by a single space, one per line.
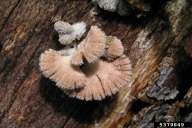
158 45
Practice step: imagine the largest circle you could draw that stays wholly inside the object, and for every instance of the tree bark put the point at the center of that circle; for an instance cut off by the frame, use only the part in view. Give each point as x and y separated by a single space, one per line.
158 45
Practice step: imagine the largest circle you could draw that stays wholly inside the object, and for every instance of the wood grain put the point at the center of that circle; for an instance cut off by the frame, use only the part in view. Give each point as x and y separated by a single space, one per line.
155 42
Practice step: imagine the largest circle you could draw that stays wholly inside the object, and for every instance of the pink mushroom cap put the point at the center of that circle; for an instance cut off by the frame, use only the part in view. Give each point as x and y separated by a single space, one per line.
103 78
92 47
114 48
59 69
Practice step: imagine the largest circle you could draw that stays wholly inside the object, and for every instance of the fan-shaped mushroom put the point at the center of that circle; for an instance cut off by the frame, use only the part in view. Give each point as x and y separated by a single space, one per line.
97 77
103 78
93 46
68 33
59 69
114 48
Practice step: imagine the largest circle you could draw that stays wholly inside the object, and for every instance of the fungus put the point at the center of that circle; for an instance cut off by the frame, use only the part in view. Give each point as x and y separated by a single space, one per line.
97 77
59 69
63 27
77 58
93 46
103 78
114 48
68 33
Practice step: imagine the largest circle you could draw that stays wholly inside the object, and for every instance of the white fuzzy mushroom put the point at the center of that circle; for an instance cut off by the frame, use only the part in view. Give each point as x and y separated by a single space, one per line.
63 27
68 33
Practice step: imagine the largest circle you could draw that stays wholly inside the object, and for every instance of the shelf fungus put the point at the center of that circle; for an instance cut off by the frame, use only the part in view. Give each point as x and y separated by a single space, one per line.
59 69
114 48
68 33
93 46
103 78
98 68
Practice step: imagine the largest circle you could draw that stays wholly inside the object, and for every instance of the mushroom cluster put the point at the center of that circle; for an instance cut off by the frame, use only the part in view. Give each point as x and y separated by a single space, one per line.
97 69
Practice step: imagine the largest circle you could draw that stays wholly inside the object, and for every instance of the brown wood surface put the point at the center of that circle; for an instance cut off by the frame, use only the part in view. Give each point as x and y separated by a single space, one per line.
161 39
